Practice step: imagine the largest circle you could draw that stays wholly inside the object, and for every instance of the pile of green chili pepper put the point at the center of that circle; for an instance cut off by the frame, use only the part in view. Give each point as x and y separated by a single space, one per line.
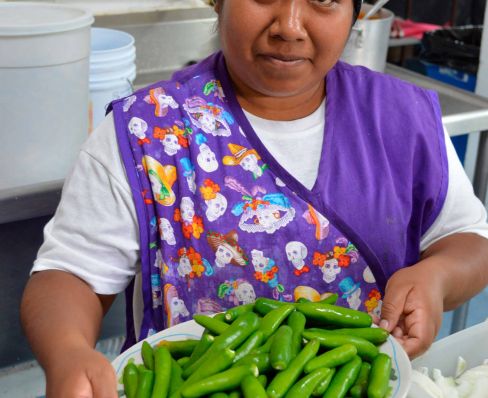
268 349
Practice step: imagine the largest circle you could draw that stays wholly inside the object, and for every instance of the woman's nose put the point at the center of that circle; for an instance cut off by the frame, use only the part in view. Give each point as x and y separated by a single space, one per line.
288 23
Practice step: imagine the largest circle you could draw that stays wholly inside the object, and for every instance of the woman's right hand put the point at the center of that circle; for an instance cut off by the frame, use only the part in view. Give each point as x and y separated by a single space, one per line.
83 373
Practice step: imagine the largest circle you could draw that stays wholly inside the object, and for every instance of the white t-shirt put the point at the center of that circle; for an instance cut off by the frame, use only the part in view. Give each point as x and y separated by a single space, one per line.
94 233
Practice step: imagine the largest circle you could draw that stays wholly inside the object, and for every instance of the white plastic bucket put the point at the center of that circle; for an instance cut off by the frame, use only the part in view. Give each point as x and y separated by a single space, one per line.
112 69
44 50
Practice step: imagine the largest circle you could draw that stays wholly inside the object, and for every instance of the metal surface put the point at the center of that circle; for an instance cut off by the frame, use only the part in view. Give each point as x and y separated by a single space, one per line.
462 111
369 39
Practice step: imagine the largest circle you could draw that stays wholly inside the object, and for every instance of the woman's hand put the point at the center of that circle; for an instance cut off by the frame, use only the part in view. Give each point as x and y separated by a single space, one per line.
413 306
84 373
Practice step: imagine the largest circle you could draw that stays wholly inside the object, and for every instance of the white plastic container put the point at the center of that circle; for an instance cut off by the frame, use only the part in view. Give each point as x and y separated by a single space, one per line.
44 50
112 69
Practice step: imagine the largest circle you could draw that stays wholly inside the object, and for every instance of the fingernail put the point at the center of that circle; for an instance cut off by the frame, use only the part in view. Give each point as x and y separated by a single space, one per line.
384 324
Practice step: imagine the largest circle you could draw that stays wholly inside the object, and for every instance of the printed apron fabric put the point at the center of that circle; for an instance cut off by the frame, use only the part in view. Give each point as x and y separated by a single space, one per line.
219 227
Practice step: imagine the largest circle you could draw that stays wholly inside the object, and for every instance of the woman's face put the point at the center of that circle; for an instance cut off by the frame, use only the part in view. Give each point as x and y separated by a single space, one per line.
282 48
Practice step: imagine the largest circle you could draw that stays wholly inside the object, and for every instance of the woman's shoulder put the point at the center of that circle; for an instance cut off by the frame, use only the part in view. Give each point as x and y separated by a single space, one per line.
181 84
368 79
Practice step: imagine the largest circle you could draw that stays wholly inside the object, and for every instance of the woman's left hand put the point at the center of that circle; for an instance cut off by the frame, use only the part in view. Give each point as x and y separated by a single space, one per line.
413 306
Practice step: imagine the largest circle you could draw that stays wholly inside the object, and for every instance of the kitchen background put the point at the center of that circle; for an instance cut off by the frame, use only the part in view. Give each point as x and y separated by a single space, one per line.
168 35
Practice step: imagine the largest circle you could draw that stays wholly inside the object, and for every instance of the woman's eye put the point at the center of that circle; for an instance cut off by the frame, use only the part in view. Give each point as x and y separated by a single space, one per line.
325 2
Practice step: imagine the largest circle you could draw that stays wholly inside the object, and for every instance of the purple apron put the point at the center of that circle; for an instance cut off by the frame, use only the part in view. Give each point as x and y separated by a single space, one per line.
221 222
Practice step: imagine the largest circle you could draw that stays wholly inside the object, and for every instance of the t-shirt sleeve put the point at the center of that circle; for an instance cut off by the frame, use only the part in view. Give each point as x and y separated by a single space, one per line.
462 210
94 232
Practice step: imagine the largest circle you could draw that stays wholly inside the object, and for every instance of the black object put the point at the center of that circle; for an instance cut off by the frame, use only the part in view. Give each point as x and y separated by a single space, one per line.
457 48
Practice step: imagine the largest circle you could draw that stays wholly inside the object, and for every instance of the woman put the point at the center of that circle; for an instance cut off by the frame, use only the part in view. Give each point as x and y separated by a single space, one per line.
336 184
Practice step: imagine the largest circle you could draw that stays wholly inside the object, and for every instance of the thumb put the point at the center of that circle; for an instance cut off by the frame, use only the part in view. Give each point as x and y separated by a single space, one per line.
393 305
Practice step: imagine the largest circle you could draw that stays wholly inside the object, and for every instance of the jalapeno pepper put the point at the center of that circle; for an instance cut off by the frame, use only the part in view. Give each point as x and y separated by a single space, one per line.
303 300
145 382
329 314
162 372
252 388
366 349
182 361
237 332
233 313
181 348
252 342
129 378
213 325
333 358
360 387
304 387
324 384
202 346
296 320
379 376
282 382
344 379
263 380
266 346
280 353
374 335
176 379
224 381
261 360
147 355
273 319
218 362
264 305
219 395
330 299
235 394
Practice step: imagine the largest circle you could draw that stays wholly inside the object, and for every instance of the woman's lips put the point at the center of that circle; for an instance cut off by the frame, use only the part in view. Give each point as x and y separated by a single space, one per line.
283 60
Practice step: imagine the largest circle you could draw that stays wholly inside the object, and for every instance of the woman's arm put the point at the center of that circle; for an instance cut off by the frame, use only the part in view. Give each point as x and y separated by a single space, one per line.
451 271
61 317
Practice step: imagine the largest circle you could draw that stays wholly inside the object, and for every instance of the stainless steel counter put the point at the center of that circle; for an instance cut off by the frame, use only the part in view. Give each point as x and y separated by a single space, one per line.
463 112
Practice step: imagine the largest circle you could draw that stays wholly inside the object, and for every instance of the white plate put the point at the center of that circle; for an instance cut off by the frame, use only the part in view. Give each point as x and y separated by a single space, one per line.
401 365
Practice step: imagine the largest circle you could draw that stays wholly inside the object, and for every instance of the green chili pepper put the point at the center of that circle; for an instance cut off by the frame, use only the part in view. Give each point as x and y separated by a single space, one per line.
145 382
296 321
360 387
203 345
282 382
264 305
303 300
252 342
182 361
280 353
272 320
252 388
379 376
235 394
129 378
233 313
366 349
162 372
374 335
266 346
220 316
181 348
344 379
237 332
331 299
219 395
324 384
330 314
216 363
176 379
304 387
226 380
263 380
213 325
261 360
333 358
147 354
